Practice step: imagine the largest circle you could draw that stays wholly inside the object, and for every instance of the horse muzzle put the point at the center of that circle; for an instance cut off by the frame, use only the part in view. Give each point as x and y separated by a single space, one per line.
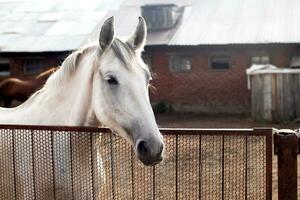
149 151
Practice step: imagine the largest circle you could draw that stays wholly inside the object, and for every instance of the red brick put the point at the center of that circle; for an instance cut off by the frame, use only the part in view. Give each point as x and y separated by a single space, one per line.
205 90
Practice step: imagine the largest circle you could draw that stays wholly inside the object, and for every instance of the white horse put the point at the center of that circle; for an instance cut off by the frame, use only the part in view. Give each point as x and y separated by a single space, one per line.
101 84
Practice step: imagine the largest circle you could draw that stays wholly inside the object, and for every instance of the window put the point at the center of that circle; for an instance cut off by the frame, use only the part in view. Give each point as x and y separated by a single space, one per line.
260 59
180 63
33 66
161 16
4 67
220 62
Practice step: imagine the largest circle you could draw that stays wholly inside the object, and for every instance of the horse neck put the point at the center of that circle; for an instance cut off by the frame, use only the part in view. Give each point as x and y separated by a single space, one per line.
69 103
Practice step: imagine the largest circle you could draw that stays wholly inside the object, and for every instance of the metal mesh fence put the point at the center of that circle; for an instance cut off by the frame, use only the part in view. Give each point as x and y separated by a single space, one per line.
298 175
89 163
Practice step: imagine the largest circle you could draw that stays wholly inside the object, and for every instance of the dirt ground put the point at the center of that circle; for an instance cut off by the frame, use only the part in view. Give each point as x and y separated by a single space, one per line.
179 120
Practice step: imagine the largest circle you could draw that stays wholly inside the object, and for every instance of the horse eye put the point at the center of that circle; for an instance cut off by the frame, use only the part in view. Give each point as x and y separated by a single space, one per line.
112 80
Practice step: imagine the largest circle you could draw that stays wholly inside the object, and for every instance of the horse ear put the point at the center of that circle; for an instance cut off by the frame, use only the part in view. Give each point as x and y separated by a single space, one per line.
107 33
137 41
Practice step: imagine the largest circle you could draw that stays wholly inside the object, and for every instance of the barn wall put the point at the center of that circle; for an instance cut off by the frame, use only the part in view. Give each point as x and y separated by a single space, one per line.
47 60
199 90
17 69
209 91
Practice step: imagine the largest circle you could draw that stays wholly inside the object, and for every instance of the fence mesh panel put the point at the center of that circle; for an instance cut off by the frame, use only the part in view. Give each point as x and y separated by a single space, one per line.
7 181
211 167
298 172
54 163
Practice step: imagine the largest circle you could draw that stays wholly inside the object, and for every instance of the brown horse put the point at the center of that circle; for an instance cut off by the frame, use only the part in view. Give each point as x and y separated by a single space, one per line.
20 90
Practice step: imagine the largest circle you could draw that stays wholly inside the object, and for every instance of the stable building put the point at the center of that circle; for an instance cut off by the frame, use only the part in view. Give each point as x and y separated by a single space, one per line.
200 61
37 35
198 50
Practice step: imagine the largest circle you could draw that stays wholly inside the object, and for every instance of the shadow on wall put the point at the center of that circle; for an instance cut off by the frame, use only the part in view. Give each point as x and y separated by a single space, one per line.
204 109
162 107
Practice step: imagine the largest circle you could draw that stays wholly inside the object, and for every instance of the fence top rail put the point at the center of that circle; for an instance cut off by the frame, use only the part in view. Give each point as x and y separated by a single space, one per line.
165 131
211 131
56 128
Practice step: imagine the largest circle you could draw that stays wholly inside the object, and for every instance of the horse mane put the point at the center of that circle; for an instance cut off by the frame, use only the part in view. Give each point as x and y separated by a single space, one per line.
68 66
121 49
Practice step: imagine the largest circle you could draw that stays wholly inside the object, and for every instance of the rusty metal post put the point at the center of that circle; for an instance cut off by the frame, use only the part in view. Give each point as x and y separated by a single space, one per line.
286 148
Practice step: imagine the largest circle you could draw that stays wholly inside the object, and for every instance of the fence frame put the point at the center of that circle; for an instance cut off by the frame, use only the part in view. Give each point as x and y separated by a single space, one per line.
266 132
286 147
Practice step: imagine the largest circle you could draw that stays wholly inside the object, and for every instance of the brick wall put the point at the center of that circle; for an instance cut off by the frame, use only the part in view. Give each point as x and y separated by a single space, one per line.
17 65
210 91
201 89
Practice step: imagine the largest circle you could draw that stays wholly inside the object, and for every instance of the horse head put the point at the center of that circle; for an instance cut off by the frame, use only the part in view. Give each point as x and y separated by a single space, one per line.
120 91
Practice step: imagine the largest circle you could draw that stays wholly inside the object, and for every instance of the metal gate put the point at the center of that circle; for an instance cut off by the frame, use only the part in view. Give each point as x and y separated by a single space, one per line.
65 163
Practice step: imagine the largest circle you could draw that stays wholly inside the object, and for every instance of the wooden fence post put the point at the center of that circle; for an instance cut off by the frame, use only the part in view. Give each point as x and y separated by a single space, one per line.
286 148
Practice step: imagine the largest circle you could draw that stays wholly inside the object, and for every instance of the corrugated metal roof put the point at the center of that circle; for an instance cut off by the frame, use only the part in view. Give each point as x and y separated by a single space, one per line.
54 25
221 22
239 22
49 25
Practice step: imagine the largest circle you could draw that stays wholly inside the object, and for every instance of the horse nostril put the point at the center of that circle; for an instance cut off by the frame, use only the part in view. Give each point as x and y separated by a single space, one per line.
142 148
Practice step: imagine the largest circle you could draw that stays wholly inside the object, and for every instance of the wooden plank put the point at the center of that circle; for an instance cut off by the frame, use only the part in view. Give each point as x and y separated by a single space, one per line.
288 103
274 95
258 114
267 97
279 114
285 92
296 94
260 97
253 97
257 98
